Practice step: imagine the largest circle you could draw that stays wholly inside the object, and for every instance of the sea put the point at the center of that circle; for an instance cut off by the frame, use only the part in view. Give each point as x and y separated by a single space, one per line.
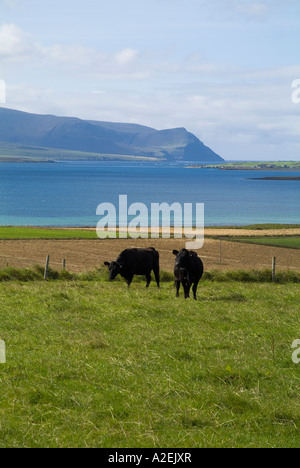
68 193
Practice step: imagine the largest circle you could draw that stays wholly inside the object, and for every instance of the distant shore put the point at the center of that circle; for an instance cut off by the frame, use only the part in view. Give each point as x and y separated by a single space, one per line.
289 166
275 178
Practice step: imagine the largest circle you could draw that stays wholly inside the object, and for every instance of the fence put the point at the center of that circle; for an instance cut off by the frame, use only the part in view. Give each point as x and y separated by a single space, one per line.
85 255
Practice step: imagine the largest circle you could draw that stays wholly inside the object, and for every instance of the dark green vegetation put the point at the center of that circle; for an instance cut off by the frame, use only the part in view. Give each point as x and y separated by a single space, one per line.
92 364
101 274
286 242
31 137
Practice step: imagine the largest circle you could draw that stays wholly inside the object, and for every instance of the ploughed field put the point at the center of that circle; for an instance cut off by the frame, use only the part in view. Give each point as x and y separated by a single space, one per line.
84 254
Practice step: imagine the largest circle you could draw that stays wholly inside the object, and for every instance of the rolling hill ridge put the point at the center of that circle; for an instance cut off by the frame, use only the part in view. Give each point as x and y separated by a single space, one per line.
48 136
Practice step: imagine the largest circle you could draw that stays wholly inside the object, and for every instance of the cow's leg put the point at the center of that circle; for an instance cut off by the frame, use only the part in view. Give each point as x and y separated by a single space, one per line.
157 277
129 280
187 288
148 278
177 286
195 286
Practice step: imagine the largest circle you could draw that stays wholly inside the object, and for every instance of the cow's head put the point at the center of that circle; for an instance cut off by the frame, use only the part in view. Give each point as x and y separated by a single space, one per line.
114 268
183 257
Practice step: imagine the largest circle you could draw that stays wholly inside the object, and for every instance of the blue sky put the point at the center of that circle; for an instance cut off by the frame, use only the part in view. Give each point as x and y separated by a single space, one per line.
223 69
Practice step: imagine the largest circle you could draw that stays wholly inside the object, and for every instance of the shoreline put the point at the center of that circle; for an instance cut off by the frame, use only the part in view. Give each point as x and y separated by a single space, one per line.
275 178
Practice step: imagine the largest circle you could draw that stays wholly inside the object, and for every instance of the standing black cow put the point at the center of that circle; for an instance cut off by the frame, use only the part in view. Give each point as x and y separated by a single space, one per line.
188 271
135 262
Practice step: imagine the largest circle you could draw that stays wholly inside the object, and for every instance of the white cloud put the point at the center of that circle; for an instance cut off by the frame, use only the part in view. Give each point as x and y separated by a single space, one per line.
17 45
127 63
126 56
14 42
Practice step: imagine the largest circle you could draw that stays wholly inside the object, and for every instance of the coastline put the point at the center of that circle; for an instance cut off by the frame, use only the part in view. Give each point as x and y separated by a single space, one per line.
275 178
278 166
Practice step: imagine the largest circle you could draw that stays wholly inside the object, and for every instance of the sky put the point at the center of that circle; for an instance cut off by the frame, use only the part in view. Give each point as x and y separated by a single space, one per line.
223 69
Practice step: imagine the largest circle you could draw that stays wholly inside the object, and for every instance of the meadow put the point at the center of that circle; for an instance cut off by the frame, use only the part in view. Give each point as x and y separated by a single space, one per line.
10 232
285 242
93 364
19 232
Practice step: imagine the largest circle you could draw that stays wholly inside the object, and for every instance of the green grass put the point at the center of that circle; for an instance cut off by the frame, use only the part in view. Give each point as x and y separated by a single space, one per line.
40 233
286 242
93 364
101 274
16 232
28 154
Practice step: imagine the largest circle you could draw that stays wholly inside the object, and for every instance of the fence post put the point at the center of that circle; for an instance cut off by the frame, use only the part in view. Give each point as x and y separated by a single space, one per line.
47 267
220 251
274 269
64 264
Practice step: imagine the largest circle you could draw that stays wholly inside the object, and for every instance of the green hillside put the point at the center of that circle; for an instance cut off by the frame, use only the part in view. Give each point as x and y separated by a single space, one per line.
93 364
18 153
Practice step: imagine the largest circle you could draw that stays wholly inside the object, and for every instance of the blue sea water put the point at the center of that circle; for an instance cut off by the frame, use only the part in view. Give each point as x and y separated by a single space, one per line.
68 193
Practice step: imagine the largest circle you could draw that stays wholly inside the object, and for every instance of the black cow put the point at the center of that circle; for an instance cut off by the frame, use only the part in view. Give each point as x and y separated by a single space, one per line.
135 262
188 271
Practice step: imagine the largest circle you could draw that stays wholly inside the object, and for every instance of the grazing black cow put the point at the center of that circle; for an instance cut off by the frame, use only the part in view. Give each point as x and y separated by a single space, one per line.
188 271
135 262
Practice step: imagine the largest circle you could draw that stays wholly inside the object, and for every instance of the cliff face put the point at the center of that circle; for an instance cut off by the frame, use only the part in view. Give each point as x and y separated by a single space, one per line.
72 134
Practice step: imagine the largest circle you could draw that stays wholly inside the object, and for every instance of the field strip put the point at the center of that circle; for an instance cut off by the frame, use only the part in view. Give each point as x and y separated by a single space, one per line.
90 232
85 255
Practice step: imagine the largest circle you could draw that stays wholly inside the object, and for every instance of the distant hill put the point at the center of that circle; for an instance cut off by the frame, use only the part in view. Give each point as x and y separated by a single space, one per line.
32 136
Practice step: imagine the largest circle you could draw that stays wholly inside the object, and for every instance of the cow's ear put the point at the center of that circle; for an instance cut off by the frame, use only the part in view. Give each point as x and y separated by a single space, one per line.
175 252
107 264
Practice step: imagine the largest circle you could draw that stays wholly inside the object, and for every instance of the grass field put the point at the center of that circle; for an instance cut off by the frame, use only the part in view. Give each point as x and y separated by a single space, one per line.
287 242
30 154
44 233
92 364
16 232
